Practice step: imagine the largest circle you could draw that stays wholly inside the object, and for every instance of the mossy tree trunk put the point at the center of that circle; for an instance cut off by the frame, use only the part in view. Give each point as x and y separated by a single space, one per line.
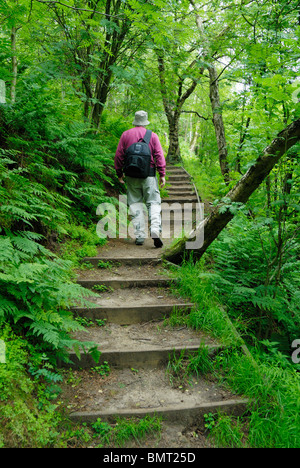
240 193
218 122
173 101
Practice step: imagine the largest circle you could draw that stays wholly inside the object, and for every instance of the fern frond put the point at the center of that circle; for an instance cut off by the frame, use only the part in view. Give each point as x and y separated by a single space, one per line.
47 331
7 307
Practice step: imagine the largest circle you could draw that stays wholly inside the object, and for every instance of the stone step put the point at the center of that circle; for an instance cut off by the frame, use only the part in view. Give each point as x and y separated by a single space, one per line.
125 283
129 306
179 177
130 313
177 185
132 358
186 414
175 169
124 276
181 196
137 392
126 260
178 211
181 191
180 199
144 345
177 194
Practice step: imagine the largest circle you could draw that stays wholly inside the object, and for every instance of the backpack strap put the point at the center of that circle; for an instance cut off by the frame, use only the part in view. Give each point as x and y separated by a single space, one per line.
147 136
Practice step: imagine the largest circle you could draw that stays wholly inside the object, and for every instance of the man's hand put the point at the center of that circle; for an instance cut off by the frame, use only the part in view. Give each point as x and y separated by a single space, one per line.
162 181
121 180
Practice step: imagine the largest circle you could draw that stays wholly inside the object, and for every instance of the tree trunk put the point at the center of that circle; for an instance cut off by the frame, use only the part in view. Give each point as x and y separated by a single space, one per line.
241 192
173 155
101 93
173 100
14 65
218 121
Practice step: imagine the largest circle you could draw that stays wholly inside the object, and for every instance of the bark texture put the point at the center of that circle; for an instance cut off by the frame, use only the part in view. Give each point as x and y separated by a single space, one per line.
241 192
14 65
218 121
173 101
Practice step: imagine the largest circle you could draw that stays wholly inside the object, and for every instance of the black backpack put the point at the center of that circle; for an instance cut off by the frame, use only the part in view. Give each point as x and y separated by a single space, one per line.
138 158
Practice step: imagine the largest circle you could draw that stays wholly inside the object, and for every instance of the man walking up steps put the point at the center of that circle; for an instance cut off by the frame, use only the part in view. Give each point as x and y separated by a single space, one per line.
138 156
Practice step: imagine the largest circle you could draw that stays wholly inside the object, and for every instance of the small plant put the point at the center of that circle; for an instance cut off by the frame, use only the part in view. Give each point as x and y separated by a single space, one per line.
102 370
103 264
72 378
101 322
209 421
86 266
84 322
77 435
102 288
103 430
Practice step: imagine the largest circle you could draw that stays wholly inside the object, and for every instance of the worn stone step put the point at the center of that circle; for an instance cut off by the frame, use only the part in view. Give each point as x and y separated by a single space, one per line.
101 261
181 191
172 169
176 194
180 199
144 345
129 306
124 276
125 283
166 205
177 185
184 413
129 314
137 392
178 177
178 210
143 358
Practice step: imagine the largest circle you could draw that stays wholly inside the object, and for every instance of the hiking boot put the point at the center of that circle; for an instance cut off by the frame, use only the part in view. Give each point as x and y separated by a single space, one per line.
157 241
139 241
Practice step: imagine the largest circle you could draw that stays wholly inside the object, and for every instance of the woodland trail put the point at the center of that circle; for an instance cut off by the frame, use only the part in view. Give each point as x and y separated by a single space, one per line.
136 343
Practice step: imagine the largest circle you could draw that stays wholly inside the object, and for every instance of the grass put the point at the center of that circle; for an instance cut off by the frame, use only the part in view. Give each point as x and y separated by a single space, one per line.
208 315
125 430
272 387
181 368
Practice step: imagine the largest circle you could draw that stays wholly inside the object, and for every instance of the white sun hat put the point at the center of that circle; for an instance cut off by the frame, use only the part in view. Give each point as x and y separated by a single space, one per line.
141 119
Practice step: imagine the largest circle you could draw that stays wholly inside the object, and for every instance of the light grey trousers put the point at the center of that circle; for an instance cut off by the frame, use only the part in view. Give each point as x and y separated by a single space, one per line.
141 193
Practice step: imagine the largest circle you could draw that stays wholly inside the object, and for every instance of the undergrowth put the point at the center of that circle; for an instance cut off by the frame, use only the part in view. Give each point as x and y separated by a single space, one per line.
266 376
54 172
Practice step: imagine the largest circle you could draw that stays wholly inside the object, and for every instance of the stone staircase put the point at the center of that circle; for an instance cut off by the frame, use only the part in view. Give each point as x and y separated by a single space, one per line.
136 295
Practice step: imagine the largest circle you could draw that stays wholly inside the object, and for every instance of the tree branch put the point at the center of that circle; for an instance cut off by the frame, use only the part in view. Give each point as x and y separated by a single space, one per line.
197 113
56 2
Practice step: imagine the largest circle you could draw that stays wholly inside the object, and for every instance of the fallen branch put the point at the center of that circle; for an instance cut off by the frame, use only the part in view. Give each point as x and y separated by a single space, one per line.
240 193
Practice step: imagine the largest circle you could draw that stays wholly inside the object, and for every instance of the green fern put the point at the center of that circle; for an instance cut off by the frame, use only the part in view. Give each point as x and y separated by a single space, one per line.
36 291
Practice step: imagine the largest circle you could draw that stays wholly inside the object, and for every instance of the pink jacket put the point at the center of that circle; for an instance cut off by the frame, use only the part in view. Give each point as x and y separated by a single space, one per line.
132 136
